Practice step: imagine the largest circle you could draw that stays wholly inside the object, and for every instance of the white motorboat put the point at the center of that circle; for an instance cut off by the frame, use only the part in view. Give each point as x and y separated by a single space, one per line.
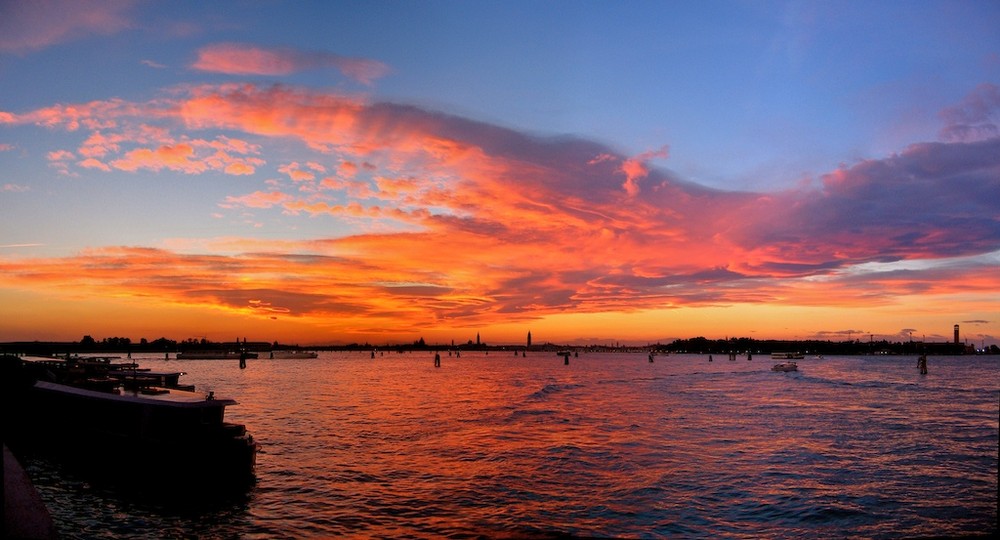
786 366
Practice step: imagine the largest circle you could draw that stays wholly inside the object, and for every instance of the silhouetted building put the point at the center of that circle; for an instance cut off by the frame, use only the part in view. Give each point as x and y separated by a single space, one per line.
956 334
529 339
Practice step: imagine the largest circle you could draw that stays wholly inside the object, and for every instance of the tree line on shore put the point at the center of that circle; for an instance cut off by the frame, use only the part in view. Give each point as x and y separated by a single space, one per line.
697 345
849 347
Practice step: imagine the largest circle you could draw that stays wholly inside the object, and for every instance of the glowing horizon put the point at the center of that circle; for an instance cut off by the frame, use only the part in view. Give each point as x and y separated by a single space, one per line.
295 193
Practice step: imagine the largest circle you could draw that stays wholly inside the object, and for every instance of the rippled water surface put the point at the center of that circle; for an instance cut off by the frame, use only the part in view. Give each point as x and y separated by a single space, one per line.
608 446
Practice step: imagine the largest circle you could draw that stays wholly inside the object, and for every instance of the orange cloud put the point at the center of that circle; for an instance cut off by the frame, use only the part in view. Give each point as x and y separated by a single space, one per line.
362 280
239 169
396 188
172 157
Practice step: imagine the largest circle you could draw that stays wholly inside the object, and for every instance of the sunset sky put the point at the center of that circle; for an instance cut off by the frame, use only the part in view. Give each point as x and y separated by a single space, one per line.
335 172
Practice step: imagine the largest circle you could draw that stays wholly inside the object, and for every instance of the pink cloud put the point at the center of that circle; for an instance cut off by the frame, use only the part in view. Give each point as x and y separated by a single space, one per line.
60 155
228 144
601 158
94 115
347 169
634 168
28 26
295 172
141 146
97 145
243 59
93 163
975 117
259 199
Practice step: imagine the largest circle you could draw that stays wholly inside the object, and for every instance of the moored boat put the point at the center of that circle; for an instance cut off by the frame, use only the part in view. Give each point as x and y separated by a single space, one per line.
130 426
787 356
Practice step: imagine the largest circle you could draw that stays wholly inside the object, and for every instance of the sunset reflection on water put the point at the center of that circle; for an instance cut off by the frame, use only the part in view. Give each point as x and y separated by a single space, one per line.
611 445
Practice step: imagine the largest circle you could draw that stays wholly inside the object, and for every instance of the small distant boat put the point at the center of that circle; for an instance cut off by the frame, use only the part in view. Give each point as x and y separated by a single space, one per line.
787 356
786 366
296 354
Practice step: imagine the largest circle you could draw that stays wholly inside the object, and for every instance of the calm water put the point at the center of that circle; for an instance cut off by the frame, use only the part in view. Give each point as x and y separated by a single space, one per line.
609 446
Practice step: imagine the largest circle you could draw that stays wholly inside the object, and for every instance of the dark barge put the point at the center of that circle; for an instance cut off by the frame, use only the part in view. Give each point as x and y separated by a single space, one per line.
126 424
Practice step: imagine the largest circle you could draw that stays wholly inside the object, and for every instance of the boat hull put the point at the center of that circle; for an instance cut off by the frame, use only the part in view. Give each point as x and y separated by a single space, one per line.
167 439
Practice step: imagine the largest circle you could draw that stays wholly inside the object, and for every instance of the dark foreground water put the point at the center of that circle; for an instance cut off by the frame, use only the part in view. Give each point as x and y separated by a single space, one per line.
608 446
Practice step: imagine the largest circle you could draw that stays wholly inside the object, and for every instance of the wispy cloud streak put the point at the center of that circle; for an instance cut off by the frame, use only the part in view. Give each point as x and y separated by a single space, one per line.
27 26
243 59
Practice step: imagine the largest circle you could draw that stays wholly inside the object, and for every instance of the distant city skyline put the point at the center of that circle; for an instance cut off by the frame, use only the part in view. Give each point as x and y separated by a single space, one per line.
323 172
